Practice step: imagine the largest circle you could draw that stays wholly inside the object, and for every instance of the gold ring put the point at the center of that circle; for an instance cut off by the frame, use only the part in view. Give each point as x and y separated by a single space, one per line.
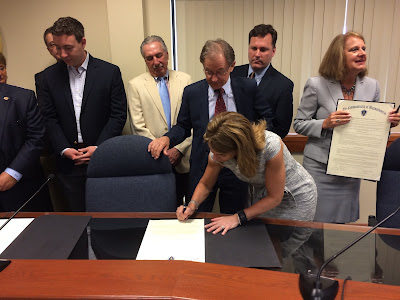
222 227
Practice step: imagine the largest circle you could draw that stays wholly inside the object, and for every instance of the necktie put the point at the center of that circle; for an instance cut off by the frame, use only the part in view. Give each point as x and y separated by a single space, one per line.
252 75
164 95
220 104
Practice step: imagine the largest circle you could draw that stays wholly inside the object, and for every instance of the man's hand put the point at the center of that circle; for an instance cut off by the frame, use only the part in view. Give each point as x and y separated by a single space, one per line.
6 181
174 156
158 145
80 156
71 153
84 155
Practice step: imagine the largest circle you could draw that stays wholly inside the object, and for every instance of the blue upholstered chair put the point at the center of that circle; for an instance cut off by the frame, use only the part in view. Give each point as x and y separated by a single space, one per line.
387 201
123 177
388 188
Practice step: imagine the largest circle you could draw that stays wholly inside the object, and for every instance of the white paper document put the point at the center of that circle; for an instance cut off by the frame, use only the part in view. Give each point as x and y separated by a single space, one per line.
13 229
358 147
173 239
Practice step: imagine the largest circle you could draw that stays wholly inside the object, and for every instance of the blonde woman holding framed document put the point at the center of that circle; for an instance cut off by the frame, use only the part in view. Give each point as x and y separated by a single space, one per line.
342 76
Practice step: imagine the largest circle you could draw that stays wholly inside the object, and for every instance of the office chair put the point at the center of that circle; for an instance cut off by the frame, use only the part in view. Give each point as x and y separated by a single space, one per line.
123 177
388 192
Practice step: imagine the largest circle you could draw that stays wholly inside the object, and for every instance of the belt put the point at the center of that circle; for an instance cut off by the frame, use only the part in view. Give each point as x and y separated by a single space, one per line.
79 145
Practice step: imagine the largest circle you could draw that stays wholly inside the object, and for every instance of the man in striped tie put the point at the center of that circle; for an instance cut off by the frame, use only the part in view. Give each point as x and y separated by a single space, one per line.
200 103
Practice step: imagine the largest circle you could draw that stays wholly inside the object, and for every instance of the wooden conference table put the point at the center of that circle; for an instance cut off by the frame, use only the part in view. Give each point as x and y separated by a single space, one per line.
130 279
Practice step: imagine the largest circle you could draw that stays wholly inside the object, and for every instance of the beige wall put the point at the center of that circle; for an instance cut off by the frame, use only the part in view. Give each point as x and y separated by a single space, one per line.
23 23
114 30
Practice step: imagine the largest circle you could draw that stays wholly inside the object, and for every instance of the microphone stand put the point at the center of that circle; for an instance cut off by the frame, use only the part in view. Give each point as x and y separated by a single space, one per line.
5 262
318 293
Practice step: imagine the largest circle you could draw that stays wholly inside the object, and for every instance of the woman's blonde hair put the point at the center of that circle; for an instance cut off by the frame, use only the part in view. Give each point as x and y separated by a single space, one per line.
333 65
232 132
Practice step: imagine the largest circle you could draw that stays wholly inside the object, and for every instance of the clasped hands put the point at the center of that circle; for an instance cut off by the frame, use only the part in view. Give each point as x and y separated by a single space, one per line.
80 156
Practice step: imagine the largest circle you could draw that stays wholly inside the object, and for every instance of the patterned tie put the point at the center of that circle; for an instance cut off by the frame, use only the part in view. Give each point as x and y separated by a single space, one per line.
164 95
252 74
220 104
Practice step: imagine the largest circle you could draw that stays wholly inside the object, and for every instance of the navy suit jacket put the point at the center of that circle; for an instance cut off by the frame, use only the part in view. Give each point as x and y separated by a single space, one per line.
21 140
103 111
39 84
277 92
22 131
193 114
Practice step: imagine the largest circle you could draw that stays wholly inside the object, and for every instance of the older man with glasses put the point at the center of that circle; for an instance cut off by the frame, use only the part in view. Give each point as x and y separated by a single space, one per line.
201 101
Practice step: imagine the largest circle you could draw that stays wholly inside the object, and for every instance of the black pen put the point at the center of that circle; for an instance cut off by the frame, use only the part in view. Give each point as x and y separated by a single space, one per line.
397 110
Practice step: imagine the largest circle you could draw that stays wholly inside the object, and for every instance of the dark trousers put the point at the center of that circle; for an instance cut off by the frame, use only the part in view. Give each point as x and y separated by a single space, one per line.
182 187
232 194
73 185
13 199
56 193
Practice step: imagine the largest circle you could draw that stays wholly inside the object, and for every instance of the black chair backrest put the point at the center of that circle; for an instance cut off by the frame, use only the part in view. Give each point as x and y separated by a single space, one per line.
122 176
388 191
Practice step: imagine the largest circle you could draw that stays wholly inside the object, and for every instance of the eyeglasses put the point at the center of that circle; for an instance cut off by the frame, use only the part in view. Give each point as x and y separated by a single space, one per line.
219 73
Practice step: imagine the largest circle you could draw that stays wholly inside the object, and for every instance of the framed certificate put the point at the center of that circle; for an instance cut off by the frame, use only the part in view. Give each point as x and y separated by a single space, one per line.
358 147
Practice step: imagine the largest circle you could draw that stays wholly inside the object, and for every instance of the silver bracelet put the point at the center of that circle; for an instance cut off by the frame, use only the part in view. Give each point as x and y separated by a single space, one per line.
195 203
239 219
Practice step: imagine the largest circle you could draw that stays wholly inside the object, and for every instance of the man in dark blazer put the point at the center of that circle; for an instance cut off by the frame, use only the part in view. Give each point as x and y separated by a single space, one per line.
199 102
273 86
51 47
21 139
48 157
83 103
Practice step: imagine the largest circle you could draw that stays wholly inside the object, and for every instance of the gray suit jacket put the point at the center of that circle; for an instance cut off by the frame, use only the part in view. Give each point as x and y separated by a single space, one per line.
320 98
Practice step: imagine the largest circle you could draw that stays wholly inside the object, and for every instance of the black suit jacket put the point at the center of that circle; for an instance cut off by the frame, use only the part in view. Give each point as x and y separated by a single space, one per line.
21 140
39 95
21 131
39 84
277 91
193 114
103 111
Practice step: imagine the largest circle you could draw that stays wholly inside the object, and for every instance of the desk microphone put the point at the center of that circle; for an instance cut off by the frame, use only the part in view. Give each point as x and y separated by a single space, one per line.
5 262
50 177
317 292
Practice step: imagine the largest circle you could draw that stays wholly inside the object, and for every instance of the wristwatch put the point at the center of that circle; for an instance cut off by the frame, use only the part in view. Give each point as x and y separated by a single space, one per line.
242 217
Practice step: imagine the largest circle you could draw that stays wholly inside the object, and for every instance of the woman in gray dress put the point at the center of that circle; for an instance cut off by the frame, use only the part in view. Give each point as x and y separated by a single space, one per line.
279 186
343 76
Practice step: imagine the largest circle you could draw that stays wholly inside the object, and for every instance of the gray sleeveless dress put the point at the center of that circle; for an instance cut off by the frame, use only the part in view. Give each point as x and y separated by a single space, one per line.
300 197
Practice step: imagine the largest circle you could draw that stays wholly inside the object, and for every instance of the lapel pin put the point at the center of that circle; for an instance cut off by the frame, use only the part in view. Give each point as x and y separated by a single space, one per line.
6 98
